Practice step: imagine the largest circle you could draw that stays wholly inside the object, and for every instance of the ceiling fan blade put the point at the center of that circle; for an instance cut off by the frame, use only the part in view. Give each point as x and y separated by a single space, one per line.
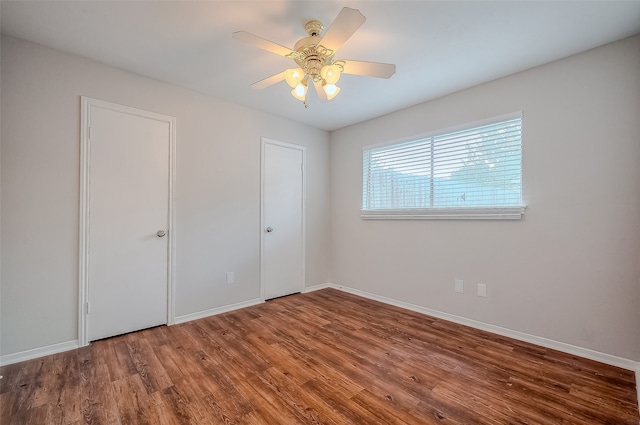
261 43
321 94
343 27
369 69
269 81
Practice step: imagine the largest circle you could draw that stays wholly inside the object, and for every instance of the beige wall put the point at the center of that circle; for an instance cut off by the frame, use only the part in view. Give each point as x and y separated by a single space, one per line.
217 190
568 271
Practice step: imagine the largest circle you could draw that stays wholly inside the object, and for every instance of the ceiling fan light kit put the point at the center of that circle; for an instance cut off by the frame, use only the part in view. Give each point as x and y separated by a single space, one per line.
293 76
300 90
331 90
314 56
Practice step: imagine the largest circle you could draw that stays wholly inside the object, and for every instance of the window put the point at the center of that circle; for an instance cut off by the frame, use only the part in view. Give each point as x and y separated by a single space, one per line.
470 173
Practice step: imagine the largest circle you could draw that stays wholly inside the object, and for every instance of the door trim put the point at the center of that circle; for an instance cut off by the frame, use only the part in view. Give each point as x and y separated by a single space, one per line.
263 142
85 186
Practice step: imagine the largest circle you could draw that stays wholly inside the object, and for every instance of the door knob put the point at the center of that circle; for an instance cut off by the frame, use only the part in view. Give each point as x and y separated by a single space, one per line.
269 229
160 233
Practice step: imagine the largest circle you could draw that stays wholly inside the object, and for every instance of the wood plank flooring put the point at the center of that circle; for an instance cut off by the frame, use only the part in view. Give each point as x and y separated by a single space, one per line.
326 357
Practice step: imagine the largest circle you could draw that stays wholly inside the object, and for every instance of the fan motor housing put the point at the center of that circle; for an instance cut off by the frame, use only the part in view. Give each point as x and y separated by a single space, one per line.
312 56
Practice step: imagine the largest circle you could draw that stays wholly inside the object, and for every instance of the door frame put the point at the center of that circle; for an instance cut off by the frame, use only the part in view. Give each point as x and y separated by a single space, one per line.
263 142
85 186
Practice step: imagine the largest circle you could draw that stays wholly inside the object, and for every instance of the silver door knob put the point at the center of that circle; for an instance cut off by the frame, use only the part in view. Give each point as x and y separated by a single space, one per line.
160 233
269 229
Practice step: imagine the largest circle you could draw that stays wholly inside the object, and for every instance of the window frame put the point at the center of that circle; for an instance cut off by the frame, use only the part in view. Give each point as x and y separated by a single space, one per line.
449 213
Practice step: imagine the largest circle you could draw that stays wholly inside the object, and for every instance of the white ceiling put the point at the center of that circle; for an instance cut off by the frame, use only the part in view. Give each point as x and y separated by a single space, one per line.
439 47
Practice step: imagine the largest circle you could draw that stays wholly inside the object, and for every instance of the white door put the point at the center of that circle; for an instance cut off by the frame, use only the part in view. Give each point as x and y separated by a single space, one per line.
282 218
128 219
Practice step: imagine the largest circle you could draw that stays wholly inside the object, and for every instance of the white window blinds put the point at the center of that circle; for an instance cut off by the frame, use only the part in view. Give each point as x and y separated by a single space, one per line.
476 172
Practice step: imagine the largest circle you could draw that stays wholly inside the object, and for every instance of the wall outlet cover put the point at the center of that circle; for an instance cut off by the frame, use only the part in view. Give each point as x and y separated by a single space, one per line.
459 286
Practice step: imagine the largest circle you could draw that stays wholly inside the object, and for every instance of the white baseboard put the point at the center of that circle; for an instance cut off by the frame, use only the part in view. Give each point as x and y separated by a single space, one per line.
317 287
22 356
544 342
521 336
219 310
38 352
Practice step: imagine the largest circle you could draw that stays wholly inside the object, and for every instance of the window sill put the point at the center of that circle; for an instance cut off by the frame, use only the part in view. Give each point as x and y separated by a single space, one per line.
504 213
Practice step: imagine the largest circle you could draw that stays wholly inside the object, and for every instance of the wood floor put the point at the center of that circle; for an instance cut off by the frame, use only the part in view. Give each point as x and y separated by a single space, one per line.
323 357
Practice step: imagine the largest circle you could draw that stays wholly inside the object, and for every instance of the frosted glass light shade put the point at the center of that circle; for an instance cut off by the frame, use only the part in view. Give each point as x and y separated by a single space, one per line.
331 90
330 74
300 91
293 76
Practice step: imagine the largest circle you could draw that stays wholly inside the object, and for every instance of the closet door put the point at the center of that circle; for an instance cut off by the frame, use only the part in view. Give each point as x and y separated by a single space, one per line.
128 221
282 218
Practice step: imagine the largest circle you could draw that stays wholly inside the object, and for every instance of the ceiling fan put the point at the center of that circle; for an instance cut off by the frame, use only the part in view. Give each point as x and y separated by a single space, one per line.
314 56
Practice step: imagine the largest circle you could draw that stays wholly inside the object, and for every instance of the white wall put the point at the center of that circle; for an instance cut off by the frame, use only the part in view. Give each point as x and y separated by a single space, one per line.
217 190
570 270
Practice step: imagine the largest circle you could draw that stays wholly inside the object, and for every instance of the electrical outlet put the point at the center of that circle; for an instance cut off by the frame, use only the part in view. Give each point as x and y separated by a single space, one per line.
459 286
482 290
231 278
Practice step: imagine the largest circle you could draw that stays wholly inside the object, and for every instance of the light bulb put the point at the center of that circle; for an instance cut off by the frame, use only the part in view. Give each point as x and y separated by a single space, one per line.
331 90
300 91
330 73
293 76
